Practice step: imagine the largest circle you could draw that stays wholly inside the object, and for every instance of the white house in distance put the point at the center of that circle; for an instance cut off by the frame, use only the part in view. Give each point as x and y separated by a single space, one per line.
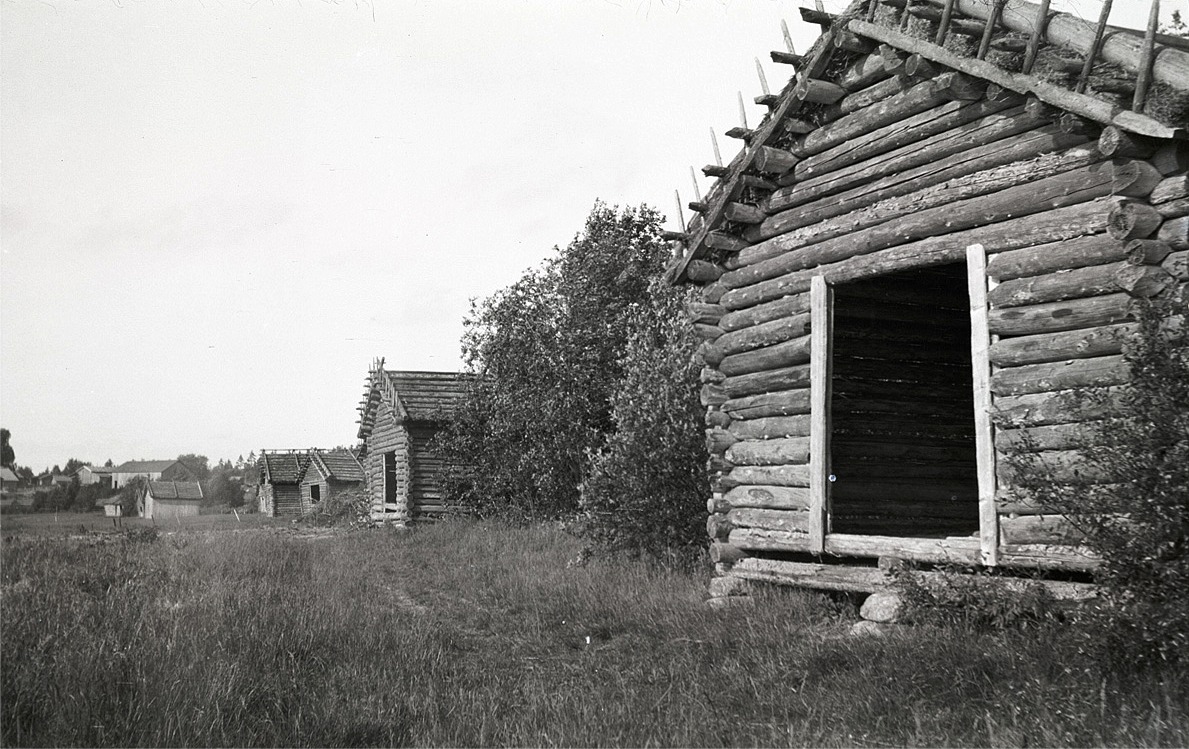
165 500
153 470
88 475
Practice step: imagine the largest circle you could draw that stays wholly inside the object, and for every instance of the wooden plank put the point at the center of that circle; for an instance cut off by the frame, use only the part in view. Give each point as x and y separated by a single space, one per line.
984 437
821 322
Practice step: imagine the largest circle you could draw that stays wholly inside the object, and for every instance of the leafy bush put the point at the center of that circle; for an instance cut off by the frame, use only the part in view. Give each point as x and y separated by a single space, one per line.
980 601
646 486
547 352
1137 520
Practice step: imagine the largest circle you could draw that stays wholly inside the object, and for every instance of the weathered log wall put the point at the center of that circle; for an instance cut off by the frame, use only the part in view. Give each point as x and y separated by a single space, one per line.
899 175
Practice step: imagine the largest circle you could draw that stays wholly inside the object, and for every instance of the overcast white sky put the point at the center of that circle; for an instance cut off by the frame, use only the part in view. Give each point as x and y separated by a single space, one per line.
217 212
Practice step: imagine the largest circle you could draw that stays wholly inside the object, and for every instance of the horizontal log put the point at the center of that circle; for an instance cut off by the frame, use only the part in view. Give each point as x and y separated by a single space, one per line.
1171 158
767 497
707 332
718 526
1074 283
1143 281
1118 143
1051 437
793 475
1050 257
725 553
763 539
1066 407
873 94
763 334
818 91
1039 529
719 440
784 354
791 451
702 272
1175 232
1176 264
715 418
1147 251
850 163
1174 208
1103 340
787 521
775 310
774 160
1169 189
771 427
708 314
786 58
1057 466
712 293
721 240
1063 375
970 173
1061 190
712 395
1051 226
1047 557
786 403
1051 317
863 72
930 550
787 378
917 99
743 213
1132 220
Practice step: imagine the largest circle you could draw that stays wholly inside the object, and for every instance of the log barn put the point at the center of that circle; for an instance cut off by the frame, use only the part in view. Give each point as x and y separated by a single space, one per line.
934 238
329 472
279 492
399 415
170 500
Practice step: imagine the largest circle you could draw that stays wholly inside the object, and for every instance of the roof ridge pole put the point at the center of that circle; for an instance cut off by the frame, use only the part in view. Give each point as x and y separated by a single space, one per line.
1092 55
989 29
1147 55
1038 30
943 26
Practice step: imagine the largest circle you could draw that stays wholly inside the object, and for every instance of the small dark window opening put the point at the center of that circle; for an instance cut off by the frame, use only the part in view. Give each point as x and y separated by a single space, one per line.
315 492
389 477
902 446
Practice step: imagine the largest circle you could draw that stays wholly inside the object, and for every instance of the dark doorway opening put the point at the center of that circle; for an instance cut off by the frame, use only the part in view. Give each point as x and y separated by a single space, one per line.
903 459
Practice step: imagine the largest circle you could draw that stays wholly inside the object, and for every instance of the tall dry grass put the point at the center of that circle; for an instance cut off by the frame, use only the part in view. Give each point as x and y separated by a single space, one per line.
479 635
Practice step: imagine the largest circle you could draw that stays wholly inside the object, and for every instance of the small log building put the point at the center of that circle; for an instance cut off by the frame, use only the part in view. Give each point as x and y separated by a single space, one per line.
279 492
933 239
328 473
400 413
168 500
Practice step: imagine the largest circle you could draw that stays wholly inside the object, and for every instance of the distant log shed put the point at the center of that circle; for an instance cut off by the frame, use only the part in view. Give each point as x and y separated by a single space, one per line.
399 416
281 472
329 472
923 252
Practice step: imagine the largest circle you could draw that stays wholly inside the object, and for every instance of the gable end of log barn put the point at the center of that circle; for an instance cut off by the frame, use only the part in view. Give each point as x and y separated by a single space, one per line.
400 414
933 239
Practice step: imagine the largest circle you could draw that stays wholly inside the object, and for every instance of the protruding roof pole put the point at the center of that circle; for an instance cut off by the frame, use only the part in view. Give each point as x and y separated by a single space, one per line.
742 112
697 191
680 214
1092 55
943 26
763 78
1147 54
714 142
1038 30
788 38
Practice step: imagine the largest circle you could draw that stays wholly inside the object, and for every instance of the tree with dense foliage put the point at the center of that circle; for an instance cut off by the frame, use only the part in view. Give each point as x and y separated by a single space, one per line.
7 455
551 354
200 464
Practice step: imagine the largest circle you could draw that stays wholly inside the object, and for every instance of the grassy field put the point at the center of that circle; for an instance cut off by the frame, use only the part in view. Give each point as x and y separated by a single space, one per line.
479 635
